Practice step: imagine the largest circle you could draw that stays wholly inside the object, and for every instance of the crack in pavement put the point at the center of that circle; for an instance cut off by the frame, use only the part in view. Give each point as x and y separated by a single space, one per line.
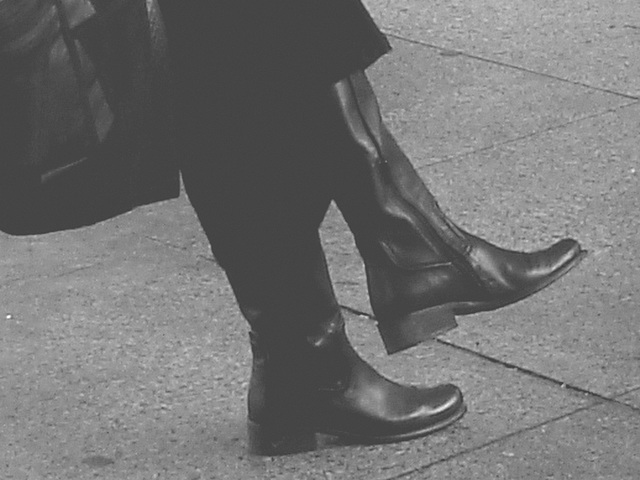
552 128
452 52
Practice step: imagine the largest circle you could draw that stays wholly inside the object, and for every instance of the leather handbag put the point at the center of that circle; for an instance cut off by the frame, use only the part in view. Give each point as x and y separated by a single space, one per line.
85 112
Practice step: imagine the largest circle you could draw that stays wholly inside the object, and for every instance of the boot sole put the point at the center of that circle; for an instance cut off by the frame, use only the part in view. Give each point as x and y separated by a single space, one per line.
350 438
264 442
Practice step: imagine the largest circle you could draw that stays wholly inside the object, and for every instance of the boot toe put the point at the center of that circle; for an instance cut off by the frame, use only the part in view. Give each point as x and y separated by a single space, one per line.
563 253
548 265
415 413
441 403
509 276
512 273
442 406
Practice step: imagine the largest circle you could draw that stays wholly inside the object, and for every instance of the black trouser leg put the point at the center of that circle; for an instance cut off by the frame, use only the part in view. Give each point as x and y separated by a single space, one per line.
260 199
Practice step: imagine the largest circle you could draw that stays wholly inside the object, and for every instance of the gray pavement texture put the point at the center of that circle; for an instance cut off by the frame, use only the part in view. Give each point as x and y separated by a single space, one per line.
123 356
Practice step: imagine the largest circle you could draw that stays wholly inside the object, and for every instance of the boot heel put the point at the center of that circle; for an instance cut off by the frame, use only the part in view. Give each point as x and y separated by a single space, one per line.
416 327
268 441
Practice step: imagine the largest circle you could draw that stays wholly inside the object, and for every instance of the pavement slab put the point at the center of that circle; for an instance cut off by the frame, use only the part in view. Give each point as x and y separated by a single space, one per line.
94 360
57 253
599 443
52 254
138 367
442 105
581 41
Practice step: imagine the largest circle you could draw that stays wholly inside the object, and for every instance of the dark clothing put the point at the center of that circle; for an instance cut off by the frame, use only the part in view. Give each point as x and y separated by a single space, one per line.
232 56
252 80
53 174
243 71
256 41
260 193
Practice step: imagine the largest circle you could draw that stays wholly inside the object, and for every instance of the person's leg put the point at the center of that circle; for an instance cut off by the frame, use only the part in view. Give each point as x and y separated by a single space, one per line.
422 269
260 204
306 377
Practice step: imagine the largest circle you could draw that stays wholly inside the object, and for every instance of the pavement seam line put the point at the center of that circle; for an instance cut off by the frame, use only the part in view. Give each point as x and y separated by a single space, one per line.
508 65
631 390
531 373
627 392
167 243
495 441
523 370
451 158
63 273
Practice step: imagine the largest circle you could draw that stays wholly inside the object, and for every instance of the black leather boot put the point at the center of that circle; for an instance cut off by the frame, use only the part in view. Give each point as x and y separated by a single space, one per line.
302 385
306 377
422 269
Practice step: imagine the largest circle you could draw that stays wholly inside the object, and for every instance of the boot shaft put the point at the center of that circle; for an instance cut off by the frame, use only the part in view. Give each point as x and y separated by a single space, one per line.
291 370
381 196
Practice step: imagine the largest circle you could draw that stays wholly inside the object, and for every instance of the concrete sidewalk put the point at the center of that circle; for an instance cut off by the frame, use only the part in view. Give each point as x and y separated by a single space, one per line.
122 355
